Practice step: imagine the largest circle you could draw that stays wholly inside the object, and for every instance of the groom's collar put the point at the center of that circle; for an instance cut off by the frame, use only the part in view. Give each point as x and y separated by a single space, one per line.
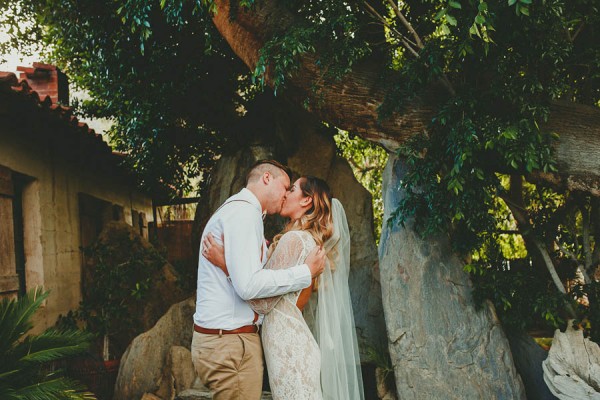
251 198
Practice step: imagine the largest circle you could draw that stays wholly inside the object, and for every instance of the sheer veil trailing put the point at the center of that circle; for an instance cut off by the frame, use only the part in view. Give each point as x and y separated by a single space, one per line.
333 323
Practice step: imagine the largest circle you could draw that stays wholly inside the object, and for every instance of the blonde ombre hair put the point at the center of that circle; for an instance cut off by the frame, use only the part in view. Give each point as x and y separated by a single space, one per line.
317 220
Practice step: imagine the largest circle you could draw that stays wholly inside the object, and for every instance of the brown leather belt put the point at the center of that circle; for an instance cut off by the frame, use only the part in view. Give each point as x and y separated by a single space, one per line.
243 329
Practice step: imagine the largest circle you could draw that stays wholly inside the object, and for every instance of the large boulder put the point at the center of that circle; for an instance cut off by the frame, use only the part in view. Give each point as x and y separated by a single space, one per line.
441 346
143 366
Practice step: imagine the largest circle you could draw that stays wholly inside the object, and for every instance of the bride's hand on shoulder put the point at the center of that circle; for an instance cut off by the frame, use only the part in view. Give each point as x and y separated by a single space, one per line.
214 252
316 261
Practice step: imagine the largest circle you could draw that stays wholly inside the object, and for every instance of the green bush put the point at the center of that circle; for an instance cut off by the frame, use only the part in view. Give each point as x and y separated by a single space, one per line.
121 270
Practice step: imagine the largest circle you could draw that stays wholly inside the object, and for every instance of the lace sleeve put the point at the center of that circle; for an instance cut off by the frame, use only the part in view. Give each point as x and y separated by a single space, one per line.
292 249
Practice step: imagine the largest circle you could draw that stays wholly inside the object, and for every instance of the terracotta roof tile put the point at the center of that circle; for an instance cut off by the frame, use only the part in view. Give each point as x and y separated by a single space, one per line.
83 138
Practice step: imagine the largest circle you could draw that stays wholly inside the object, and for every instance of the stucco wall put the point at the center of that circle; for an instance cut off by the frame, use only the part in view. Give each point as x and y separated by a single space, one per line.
51 220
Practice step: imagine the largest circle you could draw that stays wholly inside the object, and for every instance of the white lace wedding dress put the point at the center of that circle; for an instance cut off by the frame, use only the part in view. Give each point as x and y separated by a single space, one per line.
291 352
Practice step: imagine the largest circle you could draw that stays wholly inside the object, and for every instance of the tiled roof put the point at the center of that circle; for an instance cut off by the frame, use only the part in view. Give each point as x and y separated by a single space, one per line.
21 105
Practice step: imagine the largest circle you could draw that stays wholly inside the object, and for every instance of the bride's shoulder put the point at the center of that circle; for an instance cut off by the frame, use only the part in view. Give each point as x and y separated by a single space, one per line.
294 236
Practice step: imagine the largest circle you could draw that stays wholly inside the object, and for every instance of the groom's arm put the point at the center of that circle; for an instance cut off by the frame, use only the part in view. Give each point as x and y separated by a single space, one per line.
242 239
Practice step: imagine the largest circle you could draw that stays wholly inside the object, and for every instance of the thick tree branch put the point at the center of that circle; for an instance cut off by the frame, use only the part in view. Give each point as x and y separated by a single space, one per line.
352 103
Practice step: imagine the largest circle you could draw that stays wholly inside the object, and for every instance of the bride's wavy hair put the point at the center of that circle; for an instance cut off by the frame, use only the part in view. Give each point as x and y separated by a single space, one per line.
318 219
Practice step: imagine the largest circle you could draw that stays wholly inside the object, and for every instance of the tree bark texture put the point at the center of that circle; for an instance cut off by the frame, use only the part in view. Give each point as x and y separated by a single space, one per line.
352 103
442 346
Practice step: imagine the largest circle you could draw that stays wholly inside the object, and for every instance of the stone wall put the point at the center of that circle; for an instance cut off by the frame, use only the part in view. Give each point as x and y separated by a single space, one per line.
50 194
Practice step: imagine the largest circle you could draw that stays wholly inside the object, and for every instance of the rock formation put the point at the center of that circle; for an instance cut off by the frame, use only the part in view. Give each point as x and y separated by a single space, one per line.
143 366
441 346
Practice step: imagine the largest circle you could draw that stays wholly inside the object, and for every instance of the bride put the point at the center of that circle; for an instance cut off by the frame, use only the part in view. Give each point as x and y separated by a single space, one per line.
304 364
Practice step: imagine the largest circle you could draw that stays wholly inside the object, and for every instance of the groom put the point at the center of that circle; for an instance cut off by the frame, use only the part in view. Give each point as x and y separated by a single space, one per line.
226 347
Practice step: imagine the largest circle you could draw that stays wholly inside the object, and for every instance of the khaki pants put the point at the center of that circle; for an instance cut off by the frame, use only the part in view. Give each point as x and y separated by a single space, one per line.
231 366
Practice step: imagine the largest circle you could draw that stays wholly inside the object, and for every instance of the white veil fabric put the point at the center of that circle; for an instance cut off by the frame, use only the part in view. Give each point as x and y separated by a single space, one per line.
334 327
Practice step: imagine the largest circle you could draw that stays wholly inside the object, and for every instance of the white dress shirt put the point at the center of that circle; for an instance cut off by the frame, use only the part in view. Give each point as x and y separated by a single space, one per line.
220 303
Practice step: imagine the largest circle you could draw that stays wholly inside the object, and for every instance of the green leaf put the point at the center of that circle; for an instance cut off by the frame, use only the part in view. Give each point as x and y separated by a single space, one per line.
511 2
454 4
440 14
510 133
474 30
451 20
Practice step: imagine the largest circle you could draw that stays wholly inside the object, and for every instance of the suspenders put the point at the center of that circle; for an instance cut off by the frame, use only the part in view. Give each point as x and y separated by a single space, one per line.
245 201
255 320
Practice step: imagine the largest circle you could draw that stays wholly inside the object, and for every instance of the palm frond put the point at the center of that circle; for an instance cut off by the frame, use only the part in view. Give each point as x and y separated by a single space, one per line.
7 374
15 316
56 389
52 354
52 345
23 370
6 393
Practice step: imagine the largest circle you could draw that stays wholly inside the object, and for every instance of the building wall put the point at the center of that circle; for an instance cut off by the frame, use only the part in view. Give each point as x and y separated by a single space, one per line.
50 195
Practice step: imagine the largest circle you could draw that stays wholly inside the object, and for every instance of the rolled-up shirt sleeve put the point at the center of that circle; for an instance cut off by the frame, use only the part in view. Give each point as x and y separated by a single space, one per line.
242 239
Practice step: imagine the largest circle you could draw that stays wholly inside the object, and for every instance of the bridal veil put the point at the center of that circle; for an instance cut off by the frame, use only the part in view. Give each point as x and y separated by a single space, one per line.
334 327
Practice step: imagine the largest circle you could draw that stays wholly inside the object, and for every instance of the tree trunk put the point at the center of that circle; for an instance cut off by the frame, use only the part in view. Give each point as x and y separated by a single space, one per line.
441 345
352 103
529 357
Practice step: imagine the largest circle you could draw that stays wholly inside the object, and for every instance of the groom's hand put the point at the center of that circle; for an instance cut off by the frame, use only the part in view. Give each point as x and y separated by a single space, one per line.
316 261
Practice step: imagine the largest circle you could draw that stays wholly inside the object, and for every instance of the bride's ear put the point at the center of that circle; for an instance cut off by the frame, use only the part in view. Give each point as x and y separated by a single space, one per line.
306 201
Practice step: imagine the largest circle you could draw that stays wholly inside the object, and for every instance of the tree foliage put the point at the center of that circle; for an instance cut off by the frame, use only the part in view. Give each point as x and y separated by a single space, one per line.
367 161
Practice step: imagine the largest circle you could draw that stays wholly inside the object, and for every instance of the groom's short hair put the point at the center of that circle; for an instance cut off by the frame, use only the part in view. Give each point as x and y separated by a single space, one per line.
276 168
